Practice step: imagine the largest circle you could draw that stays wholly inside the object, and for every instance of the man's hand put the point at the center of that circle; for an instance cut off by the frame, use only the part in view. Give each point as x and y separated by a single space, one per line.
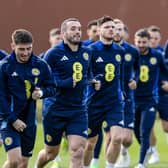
37 93
132 84
97 84
164 85
19 125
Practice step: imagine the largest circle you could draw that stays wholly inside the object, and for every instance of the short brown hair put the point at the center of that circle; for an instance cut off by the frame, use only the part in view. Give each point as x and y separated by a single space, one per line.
142 33
55 31
104 19
154 28
64 23
116 21
91 23
22 36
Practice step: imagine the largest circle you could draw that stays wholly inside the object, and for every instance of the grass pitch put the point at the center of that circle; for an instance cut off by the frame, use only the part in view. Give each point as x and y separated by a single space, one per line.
162 146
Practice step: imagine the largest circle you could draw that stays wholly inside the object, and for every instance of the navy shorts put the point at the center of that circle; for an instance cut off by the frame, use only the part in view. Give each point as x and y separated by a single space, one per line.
106 117
71 122
163 107
25 139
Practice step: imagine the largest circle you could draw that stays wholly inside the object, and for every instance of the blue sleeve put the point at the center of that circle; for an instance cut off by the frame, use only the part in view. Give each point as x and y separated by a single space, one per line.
166 50
90 76
3 54
65 83
41 55
163 66
136 66
5 99
48 85
122 71
53 63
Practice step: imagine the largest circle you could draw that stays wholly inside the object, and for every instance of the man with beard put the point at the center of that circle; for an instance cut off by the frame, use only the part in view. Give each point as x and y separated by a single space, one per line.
151 65
105 106
131 69
66 112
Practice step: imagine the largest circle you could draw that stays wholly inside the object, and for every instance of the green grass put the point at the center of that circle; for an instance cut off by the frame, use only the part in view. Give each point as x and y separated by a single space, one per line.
134 150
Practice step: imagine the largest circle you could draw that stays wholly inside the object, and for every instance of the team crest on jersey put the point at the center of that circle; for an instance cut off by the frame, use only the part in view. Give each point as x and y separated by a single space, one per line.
8 141
48 138
86 56
104 124
118 58
153 61
89 131
35 71
128 57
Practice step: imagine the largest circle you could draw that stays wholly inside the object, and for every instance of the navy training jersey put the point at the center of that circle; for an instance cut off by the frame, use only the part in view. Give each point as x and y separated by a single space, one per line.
151 65
67 65
41 55
3 54
87 42
162 76
166 50
106 67
131 66
17 82
160 48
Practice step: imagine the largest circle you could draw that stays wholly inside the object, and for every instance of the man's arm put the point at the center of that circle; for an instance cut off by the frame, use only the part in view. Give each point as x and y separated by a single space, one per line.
51 59
47 88
5 98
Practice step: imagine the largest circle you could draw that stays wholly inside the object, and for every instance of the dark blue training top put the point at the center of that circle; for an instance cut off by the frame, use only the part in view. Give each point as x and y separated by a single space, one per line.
162 76
67 65
106 67
3 54
151 66
87 42
17 82
131 67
